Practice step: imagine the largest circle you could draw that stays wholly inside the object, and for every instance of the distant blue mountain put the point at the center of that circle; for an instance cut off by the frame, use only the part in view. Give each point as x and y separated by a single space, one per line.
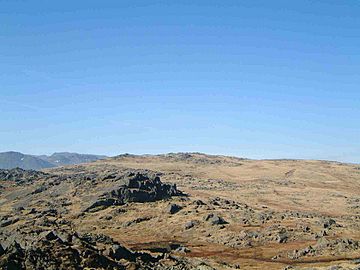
9 160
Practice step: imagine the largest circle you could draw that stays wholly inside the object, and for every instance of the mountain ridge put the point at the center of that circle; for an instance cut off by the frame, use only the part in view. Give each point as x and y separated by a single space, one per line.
13 159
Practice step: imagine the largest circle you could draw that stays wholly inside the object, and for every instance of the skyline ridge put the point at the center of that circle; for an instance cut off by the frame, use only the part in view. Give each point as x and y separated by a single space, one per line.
174 153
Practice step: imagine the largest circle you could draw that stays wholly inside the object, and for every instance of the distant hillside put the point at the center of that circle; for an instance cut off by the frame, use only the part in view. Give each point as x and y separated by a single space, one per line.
65 158
9 160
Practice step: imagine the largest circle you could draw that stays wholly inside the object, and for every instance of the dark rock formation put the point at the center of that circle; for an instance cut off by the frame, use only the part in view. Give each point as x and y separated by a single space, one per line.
18 175
135 187
173 208
53 250
118 252
2 251
12 257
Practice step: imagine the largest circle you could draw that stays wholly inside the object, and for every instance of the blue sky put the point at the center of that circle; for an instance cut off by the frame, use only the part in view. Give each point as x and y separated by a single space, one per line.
257 79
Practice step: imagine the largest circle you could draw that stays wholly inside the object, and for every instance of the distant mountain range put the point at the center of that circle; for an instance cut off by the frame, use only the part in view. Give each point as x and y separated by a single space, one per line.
9 160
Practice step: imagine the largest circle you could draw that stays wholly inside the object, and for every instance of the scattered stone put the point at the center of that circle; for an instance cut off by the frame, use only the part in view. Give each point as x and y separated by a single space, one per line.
191 224
214 219
282 236
173 208
19 208
327 223
136 221
335 267
297 254
8 222
182 250
198 203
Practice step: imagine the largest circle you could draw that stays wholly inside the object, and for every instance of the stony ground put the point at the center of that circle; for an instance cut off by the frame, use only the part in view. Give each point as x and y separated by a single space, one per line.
183 211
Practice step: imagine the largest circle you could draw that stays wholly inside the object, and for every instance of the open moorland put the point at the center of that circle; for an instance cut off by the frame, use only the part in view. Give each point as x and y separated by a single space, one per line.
182 211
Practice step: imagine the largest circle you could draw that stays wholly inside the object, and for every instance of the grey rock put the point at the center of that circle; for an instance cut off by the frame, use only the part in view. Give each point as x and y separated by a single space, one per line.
214 219
182 250
282 236
190 224
8 222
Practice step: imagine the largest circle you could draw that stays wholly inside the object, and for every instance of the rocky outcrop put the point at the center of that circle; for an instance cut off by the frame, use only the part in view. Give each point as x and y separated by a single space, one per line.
134 187
323 245
19 175
69 250
66 249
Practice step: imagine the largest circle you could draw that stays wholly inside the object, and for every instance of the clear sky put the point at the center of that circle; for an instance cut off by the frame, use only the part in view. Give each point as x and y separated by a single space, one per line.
257 79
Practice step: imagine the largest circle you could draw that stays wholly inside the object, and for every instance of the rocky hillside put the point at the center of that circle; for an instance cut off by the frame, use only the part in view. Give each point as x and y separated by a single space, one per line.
182 211
39 232
9 160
